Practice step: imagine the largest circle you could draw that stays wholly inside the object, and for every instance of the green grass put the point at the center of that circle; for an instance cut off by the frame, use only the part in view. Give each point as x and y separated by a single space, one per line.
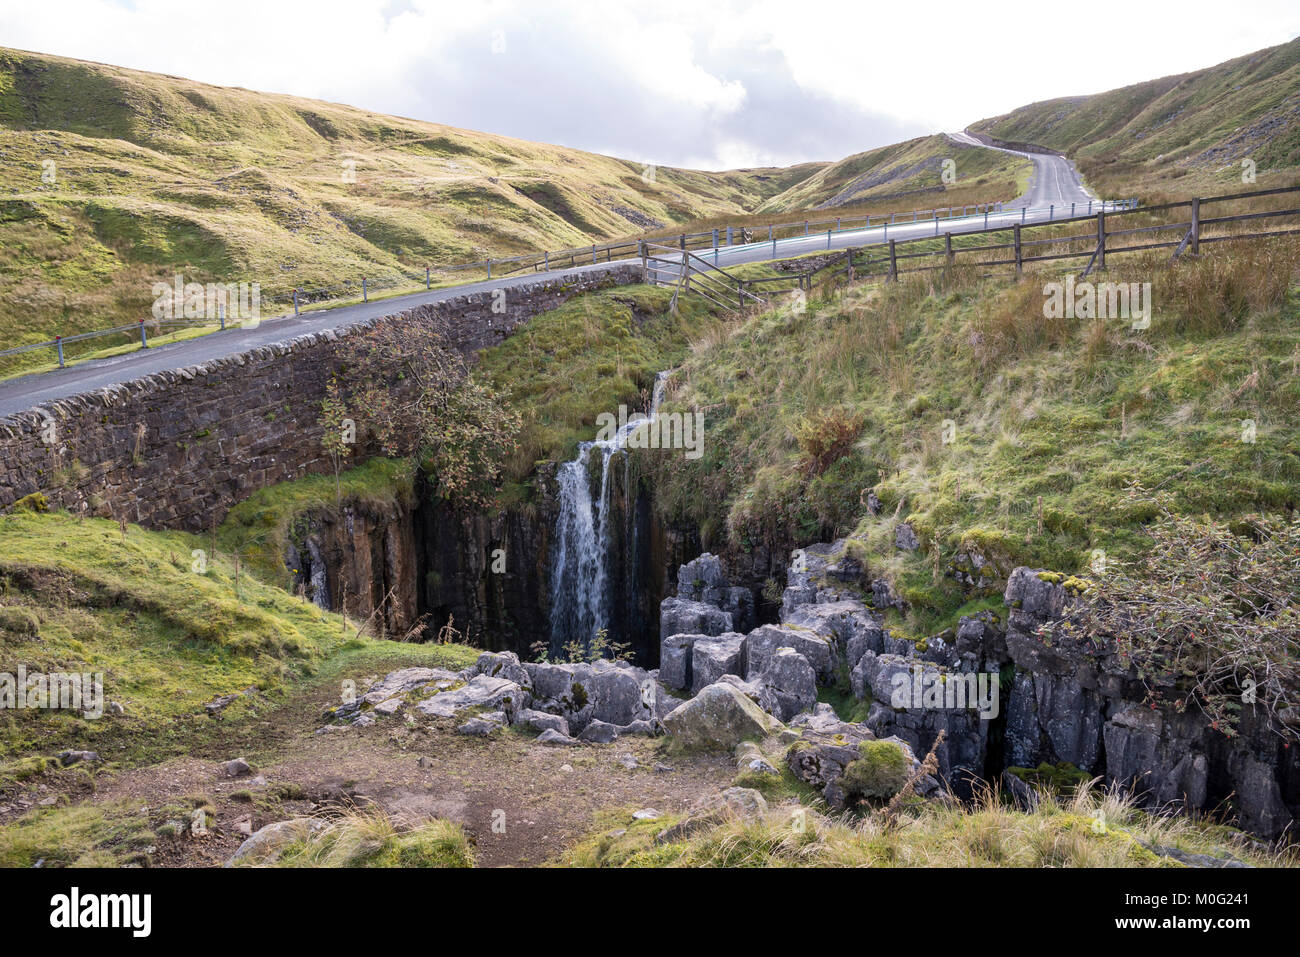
1089 830
97 835
371 839
595 352
1179 135
166 638
156 175
1053 421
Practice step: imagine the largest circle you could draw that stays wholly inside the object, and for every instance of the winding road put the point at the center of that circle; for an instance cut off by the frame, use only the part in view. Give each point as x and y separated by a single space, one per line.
1055 187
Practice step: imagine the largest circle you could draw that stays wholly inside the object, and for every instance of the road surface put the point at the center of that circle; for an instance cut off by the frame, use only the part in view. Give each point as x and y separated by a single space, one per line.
1056 183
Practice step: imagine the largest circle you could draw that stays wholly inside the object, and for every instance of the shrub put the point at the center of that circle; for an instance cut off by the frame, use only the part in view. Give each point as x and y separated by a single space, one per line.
825 437
1208 617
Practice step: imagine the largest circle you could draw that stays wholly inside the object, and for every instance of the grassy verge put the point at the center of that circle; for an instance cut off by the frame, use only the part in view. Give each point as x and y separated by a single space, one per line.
79 595
1089 830
989 428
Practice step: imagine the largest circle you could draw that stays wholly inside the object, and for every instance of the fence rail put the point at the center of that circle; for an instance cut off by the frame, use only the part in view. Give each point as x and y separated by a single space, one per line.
889 258
712 239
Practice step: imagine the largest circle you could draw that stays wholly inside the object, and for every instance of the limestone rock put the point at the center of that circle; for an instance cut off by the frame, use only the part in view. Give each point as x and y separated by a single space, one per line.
719 717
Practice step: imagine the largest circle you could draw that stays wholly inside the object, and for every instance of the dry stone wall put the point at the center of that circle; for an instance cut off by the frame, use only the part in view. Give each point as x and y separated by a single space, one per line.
178 449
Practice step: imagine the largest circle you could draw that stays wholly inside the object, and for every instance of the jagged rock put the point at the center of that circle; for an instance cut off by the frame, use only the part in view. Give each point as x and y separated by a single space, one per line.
675 660
267 844
697 576
504 664
481 691
67 758
617 692
680 616
711 658
819 648
788 685
854 628
541 721
1053 719
480 727
720 716
745 802
554 739
905 538
646 728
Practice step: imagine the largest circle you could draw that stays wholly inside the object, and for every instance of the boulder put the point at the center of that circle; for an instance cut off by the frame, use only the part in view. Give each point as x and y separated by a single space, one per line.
697 576
711 658
540 721
397 684
552 738
720 716
788 685
503 664
481 691
267 844
675 660
681 616
598 732
761 644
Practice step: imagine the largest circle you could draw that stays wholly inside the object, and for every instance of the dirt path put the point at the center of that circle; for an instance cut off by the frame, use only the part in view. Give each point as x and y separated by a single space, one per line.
544 796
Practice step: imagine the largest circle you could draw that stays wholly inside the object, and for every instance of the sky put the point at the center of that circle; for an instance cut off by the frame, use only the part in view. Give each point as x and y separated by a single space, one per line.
712 84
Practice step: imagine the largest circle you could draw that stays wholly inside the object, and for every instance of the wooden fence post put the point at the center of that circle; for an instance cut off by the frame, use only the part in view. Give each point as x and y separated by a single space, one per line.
893 262
1196 226
848 263
947 247
1019 255
1101 239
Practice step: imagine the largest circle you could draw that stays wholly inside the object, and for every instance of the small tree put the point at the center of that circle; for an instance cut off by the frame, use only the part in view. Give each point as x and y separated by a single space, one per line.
421 400
334 423
1210 617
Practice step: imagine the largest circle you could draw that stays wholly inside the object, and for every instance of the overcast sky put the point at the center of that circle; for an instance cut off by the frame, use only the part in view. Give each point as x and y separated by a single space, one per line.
710 84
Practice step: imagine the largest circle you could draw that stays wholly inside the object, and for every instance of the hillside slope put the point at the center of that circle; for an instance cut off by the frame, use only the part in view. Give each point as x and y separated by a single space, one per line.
1194 127
911 174
111 178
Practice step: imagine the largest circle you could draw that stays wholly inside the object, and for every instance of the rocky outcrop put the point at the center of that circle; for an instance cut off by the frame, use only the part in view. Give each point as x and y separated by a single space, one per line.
1076 701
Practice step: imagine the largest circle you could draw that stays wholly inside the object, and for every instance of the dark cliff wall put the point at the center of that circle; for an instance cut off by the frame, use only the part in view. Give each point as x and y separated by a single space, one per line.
177 449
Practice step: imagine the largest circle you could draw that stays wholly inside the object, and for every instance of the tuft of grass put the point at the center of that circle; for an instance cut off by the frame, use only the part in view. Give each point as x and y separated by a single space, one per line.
1090 829
369 838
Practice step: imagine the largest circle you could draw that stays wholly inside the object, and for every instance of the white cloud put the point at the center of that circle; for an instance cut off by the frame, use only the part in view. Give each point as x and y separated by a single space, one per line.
714 84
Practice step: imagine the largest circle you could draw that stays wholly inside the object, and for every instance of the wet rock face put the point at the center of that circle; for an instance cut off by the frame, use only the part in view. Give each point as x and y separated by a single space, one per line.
350 560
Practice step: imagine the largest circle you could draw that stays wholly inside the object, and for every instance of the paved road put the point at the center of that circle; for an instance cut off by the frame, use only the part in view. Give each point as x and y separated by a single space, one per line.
1055 178
1055 182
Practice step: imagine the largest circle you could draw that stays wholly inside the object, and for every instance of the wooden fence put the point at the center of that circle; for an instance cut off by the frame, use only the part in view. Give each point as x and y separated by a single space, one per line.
1027 243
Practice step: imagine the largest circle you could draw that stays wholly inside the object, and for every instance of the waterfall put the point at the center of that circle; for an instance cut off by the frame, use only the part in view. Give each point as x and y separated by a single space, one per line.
581 590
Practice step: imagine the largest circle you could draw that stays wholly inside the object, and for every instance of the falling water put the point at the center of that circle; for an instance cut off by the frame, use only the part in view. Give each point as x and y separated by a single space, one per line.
580 587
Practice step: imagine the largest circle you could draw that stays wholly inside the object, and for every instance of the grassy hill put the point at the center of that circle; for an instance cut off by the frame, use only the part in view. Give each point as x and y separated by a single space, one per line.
1178 134
908 175
148 175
